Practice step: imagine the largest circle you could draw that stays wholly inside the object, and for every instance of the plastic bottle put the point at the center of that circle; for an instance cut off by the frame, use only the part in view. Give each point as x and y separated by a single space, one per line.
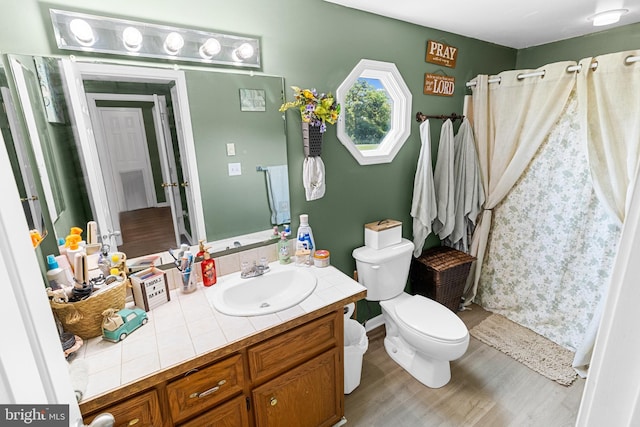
284 255
305 242
56 276
208 266
73 247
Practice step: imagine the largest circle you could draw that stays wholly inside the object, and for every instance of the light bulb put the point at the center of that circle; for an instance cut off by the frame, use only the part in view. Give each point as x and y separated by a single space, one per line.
173 43
82 31
132 39
210 48
244 51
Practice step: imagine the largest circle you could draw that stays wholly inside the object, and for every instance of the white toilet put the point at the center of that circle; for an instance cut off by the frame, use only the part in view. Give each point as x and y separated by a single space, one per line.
423 336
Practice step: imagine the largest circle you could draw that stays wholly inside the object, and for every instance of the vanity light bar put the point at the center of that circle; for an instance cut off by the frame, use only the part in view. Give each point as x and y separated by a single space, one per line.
100 34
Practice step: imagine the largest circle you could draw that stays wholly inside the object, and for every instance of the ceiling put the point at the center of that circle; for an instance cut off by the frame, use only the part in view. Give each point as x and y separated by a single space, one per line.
516 24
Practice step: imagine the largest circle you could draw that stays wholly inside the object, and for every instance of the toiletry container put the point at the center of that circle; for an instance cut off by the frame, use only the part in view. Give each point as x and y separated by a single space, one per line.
73 248
284 254
305 244
208 266
56 276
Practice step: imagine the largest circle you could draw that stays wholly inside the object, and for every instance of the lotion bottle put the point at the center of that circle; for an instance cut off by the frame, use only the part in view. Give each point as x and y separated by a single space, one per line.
208 266
56 276
284 255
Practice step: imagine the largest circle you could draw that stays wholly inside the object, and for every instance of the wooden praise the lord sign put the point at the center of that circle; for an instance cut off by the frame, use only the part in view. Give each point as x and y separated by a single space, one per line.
441 54
436 84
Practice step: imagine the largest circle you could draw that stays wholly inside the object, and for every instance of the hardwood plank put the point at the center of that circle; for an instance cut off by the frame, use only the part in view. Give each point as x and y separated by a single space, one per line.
487 388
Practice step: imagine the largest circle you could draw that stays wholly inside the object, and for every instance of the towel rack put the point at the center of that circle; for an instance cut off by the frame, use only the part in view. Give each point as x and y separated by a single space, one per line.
262 169
453 116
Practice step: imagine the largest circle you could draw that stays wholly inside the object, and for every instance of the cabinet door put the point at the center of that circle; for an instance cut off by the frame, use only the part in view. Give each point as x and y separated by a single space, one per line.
141 410
305 396
230 414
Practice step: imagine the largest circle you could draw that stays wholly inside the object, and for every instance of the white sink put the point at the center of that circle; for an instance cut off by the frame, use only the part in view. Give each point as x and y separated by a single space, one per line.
272 292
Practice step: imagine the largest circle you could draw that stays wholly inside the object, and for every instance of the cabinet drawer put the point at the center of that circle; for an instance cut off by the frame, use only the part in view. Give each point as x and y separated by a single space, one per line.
294 347
200 389
141 410
230 414
309 395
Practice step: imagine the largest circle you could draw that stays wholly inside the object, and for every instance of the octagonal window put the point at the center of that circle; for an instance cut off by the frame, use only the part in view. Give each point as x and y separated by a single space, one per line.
375 120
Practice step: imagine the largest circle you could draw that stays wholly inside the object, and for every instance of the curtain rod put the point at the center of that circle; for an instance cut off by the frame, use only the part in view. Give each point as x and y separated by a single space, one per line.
453 116
571 69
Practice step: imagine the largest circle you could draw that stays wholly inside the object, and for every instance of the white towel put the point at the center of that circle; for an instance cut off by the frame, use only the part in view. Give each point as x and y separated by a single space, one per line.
278 194
469 194
423 206
444 183
313 178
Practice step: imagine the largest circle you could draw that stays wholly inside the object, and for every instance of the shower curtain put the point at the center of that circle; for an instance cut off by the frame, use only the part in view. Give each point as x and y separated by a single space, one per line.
612 161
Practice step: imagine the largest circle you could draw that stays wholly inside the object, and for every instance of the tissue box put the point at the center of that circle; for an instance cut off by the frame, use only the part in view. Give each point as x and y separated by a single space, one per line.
380 234
150 288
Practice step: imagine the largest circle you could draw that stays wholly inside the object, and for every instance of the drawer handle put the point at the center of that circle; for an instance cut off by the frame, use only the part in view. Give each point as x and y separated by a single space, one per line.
134 421
208 392
274 401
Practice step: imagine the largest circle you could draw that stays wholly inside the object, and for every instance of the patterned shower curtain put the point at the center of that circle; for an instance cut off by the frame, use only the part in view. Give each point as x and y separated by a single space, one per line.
552 242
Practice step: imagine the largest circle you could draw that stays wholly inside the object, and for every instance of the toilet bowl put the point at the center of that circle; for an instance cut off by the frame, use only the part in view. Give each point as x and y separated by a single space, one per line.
422 335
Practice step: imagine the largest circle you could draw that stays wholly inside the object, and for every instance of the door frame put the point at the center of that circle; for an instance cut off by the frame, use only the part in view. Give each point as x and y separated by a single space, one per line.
74 74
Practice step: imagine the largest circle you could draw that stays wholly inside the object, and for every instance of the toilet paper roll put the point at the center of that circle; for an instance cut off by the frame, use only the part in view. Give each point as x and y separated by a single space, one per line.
349 309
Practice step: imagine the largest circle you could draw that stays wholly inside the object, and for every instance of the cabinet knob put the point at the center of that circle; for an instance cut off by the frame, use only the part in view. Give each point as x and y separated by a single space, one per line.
274 401
134 421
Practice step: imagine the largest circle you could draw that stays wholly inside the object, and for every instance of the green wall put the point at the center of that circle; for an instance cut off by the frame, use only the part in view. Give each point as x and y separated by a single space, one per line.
608 41
312 44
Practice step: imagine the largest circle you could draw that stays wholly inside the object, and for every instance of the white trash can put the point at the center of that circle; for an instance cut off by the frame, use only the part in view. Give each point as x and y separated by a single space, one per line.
356 343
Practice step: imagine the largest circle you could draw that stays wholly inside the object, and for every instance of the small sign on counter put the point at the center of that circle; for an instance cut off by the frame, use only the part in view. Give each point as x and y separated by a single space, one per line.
150 288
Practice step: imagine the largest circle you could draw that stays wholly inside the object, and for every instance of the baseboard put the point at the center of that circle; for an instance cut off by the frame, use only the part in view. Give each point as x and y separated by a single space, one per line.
373 323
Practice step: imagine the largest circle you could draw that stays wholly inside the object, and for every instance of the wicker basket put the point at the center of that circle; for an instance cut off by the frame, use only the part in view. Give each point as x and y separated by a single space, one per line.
441 274
84 318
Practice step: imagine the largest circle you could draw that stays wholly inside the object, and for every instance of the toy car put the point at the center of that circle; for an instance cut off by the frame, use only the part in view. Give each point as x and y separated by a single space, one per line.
132 318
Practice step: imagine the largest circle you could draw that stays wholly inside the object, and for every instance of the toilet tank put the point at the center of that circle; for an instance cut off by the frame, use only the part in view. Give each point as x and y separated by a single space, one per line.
384 272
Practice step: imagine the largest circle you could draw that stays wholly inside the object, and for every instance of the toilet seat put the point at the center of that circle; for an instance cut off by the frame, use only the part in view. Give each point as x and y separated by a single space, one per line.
430 319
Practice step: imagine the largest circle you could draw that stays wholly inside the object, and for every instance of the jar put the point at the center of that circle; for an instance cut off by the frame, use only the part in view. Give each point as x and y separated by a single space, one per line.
321 258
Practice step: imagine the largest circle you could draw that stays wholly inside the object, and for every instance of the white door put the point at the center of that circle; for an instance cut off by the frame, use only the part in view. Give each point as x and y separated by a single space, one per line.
90 160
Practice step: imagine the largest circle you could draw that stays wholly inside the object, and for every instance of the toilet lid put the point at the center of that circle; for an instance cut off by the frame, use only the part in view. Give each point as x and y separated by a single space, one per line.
431 318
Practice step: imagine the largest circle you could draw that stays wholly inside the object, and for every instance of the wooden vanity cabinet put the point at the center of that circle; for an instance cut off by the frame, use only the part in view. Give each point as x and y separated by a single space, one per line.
290 375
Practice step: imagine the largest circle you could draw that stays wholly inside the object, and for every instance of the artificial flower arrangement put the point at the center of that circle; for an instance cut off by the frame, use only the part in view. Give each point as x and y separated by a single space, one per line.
315 110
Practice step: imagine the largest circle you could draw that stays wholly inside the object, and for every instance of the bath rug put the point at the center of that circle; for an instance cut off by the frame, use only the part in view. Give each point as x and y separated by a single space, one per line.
527 347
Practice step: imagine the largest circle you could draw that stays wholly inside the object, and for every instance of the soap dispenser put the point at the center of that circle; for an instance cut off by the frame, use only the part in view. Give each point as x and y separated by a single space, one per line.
284 255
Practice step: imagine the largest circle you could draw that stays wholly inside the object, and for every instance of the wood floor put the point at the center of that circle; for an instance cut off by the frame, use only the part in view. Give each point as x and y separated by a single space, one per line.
146 231
487 388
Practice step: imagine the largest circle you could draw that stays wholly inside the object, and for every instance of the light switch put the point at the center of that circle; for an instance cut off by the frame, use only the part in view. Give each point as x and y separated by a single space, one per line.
235 169
231 149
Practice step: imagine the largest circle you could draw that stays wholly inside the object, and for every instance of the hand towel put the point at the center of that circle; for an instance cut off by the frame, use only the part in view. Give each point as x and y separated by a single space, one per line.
444 183
423 205
313 178
278 194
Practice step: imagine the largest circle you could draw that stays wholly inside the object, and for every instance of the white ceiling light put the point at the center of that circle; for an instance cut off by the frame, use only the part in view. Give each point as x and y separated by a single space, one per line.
607 17
115 36
82 31
132 39
210 48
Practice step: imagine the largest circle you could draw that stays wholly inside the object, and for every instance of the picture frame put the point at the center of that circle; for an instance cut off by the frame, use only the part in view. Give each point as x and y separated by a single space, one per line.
253 100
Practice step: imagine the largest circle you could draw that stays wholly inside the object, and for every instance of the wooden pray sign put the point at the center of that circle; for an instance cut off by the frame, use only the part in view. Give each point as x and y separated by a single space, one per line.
436 84
441 54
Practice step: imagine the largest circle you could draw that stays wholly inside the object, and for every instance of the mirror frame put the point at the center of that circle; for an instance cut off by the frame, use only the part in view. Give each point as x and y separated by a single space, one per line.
395 86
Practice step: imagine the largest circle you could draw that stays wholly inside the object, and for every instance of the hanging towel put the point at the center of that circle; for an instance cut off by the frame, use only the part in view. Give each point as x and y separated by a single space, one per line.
278 194
444 183
313 178
423 206
468 193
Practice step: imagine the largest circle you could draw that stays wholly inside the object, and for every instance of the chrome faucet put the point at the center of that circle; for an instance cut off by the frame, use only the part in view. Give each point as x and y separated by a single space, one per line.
253 270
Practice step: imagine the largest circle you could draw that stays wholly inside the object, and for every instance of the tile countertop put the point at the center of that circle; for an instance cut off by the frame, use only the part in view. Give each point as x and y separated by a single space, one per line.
188 326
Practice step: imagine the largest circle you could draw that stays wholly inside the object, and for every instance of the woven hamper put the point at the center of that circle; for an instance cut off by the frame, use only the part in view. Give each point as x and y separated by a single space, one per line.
441 274
84 318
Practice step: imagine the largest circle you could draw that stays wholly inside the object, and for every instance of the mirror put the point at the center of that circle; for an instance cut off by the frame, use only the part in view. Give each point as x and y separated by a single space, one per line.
196 138
376 106
17 149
